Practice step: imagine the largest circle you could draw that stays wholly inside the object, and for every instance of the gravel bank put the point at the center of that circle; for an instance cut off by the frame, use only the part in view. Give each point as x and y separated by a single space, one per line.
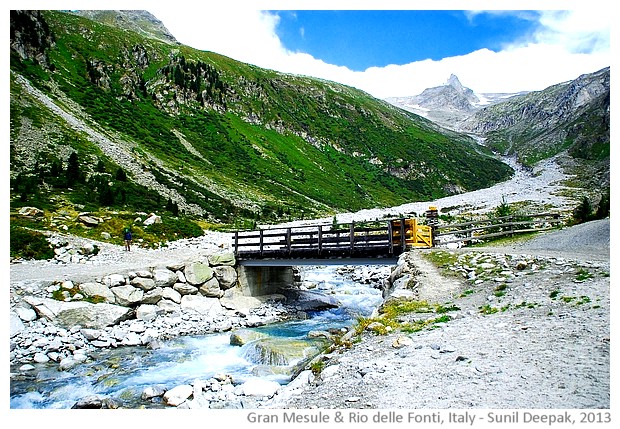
547 345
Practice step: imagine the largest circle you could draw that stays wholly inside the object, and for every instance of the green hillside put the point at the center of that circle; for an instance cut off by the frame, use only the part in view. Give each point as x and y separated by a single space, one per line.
215 139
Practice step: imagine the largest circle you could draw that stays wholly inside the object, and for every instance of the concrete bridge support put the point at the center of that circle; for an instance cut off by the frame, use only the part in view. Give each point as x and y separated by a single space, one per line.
257 281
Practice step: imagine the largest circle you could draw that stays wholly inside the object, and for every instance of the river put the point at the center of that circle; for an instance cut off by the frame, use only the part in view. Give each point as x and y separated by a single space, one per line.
123 373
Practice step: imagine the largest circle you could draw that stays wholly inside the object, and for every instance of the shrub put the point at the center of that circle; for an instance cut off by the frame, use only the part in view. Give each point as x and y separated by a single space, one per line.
29 244
583 212
174 228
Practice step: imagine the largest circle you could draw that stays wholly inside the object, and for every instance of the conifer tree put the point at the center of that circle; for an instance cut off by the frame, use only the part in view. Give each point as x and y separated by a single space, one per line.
583 212
73 173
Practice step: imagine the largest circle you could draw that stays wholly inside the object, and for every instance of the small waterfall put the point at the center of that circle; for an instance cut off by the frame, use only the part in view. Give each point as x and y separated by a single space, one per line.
281 351
125 372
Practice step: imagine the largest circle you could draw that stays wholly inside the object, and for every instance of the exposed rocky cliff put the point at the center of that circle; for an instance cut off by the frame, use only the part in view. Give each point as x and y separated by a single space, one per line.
139 21
447 104
215 137
571 120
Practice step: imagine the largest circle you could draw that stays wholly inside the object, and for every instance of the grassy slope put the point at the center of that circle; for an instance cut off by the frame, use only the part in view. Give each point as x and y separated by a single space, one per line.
245 169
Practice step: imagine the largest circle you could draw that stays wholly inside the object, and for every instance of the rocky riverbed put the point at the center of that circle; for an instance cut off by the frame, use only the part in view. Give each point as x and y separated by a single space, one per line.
530 329
530 325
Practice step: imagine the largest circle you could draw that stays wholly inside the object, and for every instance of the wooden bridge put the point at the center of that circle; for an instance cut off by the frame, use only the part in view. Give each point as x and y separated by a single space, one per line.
362 243
379 242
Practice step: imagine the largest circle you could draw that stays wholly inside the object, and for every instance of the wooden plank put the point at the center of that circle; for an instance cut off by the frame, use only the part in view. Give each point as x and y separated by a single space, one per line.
555 216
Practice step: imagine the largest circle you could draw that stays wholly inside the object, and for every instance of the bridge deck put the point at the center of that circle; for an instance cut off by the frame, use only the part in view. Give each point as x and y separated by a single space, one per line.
322 244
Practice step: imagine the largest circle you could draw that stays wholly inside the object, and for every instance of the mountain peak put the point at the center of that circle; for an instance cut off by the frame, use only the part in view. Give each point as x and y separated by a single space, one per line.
139 21
454 82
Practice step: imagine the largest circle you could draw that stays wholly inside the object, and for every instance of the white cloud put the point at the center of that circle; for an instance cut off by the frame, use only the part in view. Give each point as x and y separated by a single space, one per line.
566 45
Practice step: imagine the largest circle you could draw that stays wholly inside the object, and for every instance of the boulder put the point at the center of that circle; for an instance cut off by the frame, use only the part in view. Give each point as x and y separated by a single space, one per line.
127 295
402 341
202 304
97 289
88 220
153 296
131 339
226 276
234 299
79 313
95 316
244 336
148 312
164 277
96 402
211 288
26 314
222 258
171 294
143 283
198 272
152 392
168 306
114 280
31 211
16 325
306 300
91 334
281 351
179 394
185 288
153 218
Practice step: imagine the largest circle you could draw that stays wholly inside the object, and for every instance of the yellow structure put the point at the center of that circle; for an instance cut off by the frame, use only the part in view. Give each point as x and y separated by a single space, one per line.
418 235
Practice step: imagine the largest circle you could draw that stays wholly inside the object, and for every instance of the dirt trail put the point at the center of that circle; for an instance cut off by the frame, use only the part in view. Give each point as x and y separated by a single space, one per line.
546 346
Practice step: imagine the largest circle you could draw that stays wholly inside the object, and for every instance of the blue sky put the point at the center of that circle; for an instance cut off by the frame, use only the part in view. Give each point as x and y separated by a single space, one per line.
390 51
359 39
394 47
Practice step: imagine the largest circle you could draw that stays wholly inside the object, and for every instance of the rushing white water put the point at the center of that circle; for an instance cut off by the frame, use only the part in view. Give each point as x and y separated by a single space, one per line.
125 372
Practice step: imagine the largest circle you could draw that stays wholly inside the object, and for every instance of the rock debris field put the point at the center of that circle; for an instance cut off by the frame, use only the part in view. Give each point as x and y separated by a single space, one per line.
529 326
532 330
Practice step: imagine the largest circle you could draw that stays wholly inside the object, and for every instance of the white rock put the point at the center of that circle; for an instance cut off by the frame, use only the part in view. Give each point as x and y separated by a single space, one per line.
26 314
330 371
41 358
114 280
178 395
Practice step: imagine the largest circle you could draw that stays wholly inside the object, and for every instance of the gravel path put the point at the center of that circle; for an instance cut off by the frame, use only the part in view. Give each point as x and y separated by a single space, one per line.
542 352
546 346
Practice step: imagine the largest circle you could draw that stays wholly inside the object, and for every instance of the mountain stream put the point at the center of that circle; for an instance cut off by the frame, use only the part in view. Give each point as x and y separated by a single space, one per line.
123 373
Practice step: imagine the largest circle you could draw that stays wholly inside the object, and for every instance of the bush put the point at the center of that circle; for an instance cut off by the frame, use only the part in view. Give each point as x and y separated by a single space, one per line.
583 212
29 244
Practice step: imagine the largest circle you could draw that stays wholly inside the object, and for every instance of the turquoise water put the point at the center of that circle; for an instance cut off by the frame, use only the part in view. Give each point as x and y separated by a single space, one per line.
123 373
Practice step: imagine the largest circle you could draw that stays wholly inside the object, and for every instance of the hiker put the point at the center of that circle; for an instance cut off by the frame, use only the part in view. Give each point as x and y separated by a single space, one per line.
127 236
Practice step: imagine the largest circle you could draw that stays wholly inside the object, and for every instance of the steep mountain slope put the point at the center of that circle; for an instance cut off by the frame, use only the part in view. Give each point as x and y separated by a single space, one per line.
138 21
571 119
102 116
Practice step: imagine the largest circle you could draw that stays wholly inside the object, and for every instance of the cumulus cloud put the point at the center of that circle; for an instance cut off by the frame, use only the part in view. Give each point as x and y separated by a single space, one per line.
565 45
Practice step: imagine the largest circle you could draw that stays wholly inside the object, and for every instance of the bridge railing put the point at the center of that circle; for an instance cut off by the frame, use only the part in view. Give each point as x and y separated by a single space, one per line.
379 239
482 229
322 241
